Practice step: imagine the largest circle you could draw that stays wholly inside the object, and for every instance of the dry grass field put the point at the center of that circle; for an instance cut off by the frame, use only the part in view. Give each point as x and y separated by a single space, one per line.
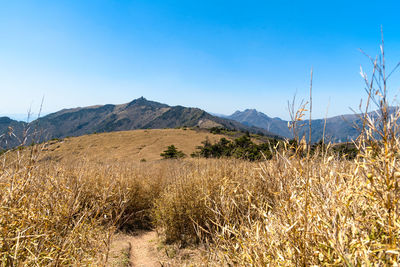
127 146
287 211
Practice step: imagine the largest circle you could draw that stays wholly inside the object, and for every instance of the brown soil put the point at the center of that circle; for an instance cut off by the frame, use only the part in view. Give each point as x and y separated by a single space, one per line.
145 249
134 250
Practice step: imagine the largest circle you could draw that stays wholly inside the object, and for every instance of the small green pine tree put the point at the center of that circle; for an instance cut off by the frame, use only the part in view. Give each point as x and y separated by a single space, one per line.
172 153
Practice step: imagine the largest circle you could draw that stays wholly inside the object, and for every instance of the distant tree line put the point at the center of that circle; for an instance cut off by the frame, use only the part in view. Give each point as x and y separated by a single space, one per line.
220 130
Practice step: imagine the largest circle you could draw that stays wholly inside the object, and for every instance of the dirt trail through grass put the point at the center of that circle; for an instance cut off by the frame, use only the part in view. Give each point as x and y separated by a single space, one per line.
135 250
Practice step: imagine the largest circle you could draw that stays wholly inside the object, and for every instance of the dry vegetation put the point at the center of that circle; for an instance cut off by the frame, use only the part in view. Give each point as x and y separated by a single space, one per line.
292 210
286 211
126 146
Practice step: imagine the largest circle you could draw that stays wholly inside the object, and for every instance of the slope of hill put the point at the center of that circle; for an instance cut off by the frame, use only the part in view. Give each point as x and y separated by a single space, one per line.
125 146
11 132
337 129
138 114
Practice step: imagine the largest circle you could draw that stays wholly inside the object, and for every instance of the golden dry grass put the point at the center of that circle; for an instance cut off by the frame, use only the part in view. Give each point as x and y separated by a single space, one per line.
126 146
65 213
287 211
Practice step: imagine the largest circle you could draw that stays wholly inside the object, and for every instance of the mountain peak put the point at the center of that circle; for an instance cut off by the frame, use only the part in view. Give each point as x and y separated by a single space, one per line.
5 120
249 112
139 100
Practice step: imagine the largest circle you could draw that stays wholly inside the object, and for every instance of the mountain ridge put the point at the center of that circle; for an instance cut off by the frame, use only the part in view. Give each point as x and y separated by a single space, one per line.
341 128
141 113
138 114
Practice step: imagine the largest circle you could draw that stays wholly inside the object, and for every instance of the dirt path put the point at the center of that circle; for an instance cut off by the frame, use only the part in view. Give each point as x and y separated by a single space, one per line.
143 252
136 251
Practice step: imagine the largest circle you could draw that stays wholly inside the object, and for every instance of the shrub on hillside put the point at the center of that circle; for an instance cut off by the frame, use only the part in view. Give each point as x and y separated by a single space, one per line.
240 148
172 153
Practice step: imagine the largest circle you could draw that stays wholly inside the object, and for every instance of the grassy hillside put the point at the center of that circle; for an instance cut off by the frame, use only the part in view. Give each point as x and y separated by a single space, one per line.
289 210
125 146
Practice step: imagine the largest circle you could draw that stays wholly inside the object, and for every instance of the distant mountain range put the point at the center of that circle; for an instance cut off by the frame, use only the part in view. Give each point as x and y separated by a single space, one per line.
252 117
138 114
144 114
338 129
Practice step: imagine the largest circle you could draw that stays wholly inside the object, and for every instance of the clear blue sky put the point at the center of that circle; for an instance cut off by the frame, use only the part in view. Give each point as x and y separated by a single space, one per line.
220 56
